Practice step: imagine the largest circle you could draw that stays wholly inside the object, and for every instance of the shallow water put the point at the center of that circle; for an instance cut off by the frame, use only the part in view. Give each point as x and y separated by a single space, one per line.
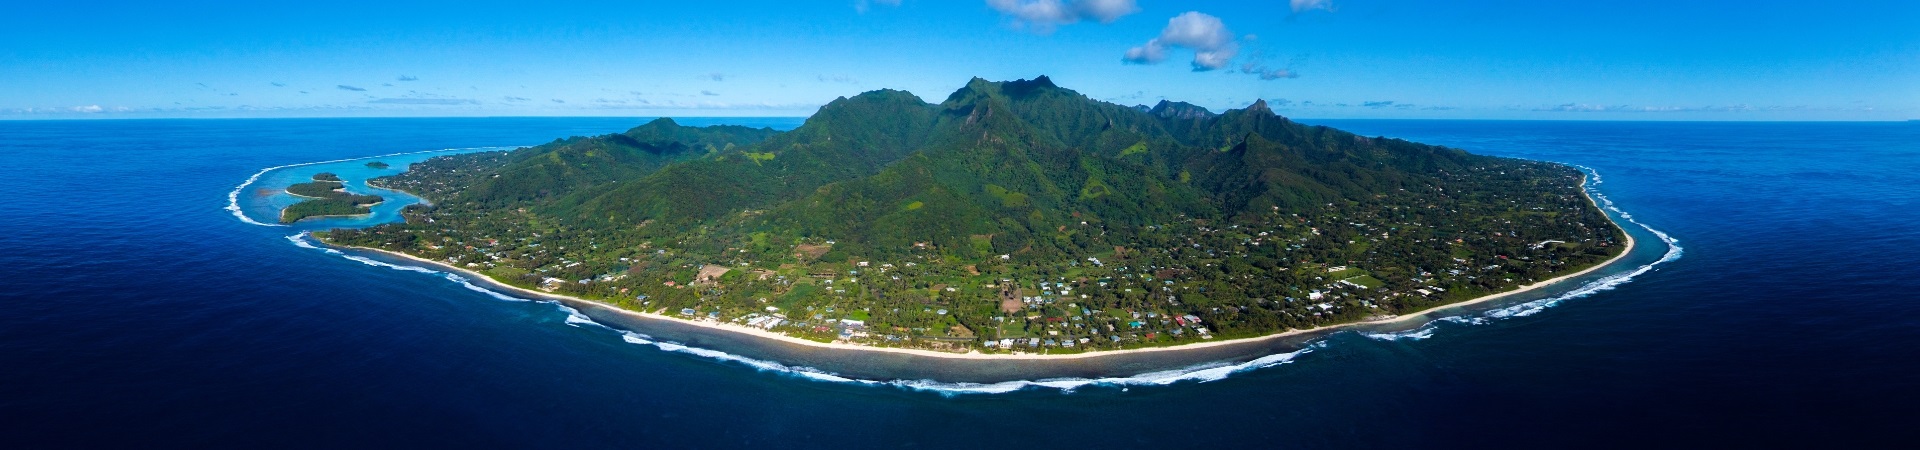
137 300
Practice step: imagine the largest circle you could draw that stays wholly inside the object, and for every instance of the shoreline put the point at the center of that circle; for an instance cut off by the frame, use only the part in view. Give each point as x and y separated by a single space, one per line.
976 355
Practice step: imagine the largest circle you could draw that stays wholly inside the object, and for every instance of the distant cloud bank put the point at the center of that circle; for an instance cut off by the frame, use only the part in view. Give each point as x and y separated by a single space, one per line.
425 101
1300 6
1043 16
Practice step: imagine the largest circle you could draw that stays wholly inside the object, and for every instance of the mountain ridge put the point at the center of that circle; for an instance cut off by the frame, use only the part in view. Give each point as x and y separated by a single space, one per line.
1020 190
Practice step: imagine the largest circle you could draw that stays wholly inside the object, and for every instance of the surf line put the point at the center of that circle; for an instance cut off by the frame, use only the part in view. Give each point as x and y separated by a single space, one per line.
1197 373
1607 283
1202 373
233 197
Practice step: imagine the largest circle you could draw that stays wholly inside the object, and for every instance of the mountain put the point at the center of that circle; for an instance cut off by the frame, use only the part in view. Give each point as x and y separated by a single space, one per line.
1007 190
577 164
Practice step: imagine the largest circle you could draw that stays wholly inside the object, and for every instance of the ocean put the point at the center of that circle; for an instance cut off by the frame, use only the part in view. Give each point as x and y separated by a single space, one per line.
142 311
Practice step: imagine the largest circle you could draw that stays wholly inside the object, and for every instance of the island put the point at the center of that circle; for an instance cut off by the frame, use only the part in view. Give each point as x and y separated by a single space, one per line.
377 165
1012 218
326 196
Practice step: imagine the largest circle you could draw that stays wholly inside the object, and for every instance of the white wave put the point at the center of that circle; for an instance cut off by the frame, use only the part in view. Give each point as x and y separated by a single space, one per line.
1674 252
233 197
301 241
1464 320
476 288
1424 332
1201 373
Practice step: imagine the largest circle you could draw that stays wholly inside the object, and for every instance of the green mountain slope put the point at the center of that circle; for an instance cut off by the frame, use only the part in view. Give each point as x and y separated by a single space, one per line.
1015 209
567 166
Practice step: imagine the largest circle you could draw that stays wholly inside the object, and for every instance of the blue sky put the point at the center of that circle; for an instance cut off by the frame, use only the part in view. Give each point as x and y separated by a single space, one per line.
1484 59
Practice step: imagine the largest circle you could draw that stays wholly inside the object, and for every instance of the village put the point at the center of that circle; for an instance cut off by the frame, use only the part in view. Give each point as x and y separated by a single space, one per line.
1187 281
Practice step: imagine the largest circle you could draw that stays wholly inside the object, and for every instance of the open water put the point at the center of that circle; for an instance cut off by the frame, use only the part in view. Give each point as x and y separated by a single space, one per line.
149 302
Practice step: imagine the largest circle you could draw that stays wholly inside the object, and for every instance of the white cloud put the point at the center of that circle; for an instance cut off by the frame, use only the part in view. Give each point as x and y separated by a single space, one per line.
1107 11
1266 73
1043 16
88 109
1152 53
1212 44
838 79
1300 6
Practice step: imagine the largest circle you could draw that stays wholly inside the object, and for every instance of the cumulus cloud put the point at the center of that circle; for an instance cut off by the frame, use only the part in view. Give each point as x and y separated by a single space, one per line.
88 109
1043 16
1300 6
409 78
1377 104
715 76
351 88
1212 44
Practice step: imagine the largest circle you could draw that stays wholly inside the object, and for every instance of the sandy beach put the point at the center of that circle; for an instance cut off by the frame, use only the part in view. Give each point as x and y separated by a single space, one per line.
757 332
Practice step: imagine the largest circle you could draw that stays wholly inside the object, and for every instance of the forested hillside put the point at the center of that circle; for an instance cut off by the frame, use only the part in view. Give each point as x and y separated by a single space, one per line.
1016 213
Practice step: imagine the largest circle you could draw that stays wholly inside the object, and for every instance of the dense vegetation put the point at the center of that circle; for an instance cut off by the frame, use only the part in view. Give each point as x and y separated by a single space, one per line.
378 165
326 196
1011 214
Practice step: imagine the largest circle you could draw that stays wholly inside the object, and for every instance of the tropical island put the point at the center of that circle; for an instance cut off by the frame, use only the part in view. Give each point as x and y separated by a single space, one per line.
377 165
326 196
1012 217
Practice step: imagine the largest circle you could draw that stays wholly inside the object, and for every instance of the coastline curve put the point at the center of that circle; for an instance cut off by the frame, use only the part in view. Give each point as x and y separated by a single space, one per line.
1201 372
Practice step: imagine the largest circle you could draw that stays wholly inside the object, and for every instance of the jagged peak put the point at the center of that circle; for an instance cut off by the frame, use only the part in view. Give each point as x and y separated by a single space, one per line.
1259 106
1036 83
1180 110
1015 89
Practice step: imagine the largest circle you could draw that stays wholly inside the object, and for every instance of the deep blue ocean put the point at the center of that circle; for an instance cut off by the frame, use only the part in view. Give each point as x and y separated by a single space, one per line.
141 312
